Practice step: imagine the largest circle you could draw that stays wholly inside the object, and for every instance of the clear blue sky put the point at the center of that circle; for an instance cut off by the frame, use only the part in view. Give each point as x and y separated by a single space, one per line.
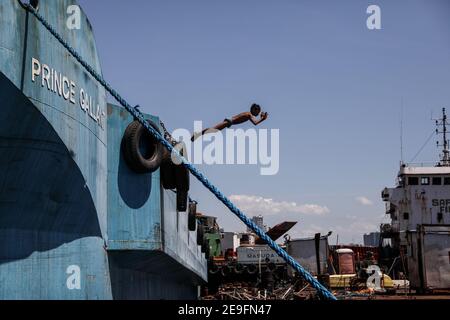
332 87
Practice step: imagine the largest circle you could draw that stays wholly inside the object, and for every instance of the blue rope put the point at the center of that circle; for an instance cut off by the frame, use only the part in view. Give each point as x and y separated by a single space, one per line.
321 290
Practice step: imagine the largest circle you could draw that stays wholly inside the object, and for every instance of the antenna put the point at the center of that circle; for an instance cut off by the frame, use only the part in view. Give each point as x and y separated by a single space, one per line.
401 132
441 128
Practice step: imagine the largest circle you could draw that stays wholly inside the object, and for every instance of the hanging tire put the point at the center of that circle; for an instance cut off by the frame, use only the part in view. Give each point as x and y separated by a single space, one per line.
168 174
142 152
227 270
182 200
213 269
252 269
168 179
200 234
239 268
271 267
192 219
182 180
183 184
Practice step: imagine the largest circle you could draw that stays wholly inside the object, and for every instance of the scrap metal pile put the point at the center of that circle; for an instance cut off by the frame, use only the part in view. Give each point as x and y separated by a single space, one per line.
247 291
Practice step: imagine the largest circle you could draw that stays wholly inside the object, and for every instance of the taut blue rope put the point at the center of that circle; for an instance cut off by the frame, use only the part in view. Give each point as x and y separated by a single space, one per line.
321 290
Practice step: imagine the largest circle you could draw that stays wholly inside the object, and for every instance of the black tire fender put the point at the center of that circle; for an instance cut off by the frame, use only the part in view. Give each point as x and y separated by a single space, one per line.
182 178
176 176
200 234
168 174
142 152
192 216
182 200
227 270
271 266
214 269
183 184
168 179
239 268
252 269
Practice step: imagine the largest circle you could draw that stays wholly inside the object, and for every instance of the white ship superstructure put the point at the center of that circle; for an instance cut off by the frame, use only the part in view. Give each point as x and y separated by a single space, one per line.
419 208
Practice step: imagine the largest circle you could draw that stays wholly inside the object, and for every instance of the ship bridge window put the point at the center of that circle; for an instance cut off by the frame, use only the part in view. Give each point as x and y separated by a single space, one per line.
437 181
424 181
447 181
413 181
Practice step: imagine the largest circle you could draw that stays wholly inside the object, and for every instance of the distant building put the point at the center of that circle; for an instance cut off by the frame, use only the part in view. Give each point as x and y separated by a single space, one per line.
259 221
372 239
230 240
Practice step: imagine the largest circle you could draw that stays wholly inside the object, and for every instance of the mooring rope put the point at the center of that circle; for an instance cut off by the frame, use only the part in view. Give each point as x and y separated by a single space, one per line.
139 116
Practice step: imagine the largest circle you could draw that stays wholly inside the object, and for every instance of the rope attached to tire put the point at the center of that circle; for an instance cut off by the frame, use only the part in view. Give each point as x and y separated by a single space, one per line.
139 116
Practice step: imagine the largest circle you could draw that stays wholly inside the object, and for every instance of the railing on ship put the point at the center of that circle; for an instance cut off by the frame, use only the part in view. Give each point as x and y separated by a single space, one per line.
421 164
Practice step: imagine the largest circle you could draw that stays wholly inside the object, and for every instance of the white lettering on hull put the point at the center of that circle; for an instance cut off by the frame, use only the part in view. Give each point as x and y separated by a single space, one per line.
66 88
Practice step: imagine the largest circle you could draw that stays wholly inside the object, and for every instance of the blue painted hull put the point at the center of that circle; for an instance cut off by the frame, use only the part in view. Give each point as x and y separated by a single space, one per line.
75 221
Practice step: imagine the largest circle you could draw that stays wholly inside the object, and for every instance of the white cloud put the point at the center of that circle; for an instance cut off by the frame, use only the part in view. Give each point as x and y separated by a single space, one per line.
357 227
307 231
266 206
364 201
354 231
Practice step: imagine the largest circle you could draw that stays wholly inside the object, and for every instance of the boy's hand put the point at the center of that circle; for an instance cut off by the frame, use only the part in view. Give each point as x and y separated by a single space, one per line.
264 115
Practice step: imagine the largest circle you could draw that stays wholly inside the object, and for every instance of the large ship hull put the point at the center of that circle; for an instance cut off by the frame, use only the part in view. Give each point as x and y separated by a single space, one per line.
75 222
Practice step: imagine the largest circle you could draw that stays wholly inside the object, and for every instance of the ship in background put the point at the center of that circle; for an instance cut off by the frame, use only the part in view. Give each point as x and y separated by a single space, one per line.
83 211
419 232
